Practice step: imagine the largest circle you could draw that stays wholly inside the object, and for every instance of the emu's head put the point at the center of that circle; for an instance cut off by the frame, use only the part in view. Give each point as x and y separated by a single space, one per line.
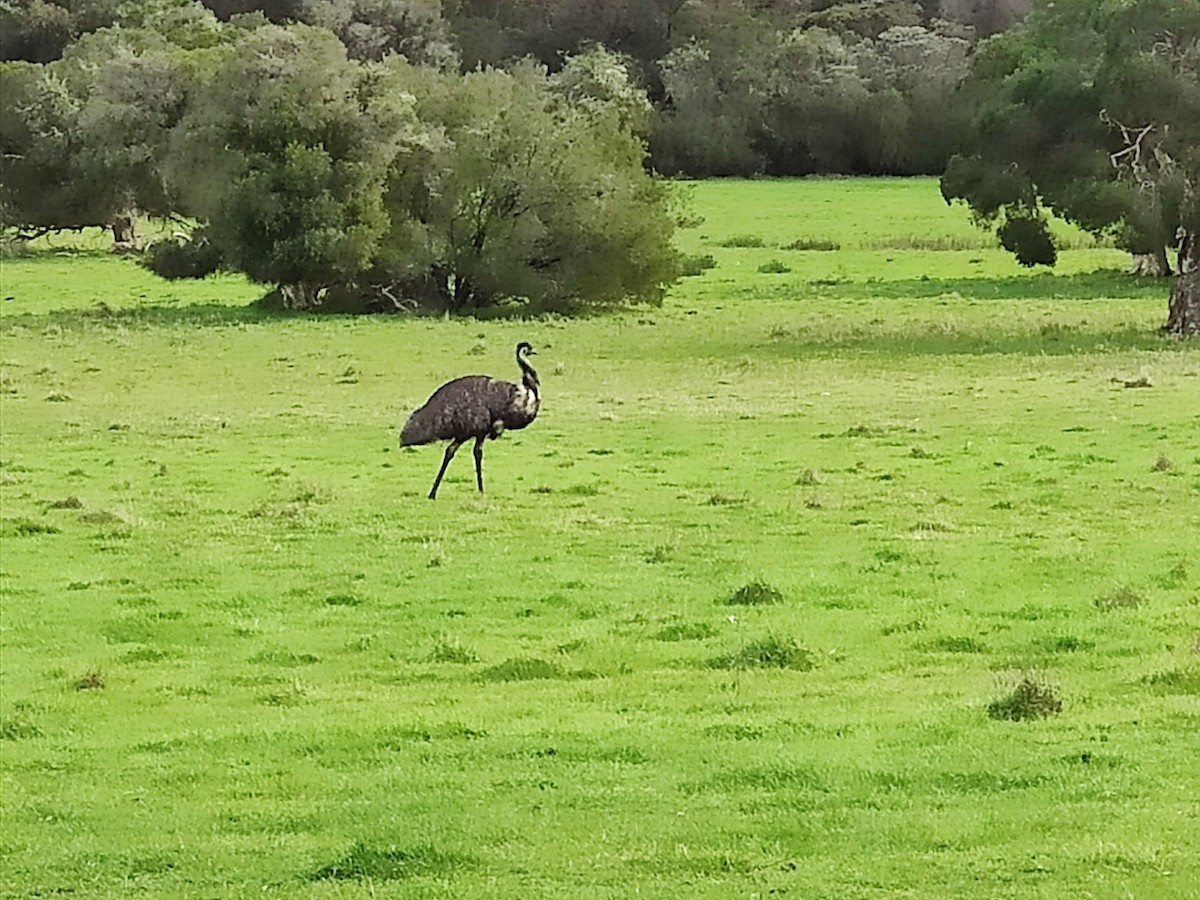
525 349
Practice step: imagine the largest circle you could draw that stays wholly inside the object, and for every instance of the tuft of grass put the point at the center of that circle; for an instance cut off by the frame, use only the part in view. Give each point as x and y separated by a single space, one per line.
903 627
697 264
1176 681
92 681
685 631
768 653
522 668
875 431
743 242
103 517
725 500
452 650
755 593
956 645
1067 644
982 241
1032 698
278 657
290 695
1123 597
774 267
820 245
18 729
65 503
366 863
26 528
1162 464
145 654
1174 577
583 489
734 731
343 600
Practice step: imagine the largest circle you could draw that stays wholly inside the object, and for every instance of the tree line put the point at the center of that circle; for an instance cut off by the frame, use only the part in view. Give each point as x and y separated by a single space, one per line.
728 79
457 153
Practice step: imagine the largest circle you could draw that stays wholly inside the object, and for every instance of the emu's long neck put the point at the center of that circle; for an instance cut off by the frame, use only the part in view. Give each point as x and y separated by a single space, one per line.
529 378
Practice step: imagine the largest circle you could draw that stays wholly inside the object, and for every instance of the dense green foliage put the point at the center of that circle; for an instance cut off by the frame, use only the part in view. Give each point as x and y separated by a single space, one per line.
340 182
782 87
1091 110
384 154
872 578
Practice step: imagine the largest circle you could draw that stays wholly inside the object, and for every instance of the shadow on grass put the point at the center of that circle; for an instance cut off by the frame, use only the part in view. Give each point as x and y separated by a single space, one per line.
210 315
938 330
1104 283
365 863
198 315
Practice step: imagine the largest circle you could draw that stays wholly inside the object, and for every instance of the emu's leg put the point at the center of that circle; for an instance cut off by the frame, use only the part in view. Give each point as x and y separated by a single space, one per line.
479 461
451 449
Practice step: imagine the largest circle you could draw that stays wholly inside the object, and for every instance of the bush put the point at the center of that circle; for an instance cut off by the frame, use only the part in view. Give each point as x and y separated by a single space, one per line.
691 266
193 258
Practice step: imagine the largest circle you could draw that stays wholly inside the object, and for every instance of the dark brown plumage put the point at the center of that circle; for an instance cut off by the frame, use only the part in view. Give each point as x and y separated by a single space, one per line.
474 406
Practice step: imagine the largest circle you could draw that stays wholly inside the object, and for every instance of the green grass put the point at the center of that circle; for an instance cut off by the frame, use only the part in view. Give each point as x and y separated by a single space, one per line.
241 653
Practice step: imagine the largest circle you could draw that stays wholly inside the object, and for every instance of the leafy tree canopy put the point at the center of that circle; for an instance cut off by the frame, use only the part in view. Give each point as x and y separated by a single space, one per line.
1090 108
371 185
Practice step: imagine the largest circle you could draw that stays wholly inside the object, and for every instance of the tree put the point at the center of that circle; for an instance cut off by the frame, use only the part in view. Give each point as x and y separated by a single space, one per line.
1092 110
39 30
359 185
535 192
283 155
84 136
373 29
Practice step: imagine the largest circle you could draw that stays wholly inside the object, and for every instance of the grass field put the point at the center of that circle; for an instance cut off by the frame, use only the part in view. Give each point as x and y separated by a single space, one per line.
747 612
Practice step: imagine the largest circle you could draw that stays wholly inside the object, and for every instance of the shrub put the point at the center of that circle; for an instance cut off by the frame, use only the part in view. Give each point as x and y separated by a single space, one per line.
194 258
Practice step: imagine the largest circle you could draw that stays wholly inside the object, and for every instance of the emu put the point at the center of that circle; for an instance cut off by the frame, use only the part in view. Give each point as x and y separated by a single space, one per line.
474 406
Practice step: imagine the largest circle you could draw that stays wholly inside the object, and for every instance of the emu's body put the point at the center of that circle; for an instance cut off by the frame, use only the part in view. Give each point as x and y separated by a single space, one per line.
474 406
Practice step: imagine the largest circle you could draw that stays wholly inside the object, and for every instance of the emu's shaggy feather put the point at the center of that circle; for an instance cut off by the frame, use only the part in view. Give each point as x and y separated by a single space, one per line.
474 406
471 406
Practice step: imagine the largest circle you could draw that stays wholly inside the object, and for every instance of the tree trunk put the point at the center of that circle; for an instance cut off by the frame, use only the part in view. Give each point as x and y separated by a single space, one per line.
124 232
301 295
1154 264
1189 253
1184 314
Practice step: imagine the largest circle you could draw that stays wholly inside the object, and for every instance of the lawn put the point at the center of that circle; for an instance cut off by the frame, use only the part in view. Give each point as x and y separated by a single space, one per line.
747 612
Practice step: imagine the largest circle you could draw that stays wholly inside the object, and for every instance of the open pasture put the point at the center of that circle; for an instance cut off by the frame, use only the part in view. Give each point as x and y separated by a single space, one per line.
745 613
